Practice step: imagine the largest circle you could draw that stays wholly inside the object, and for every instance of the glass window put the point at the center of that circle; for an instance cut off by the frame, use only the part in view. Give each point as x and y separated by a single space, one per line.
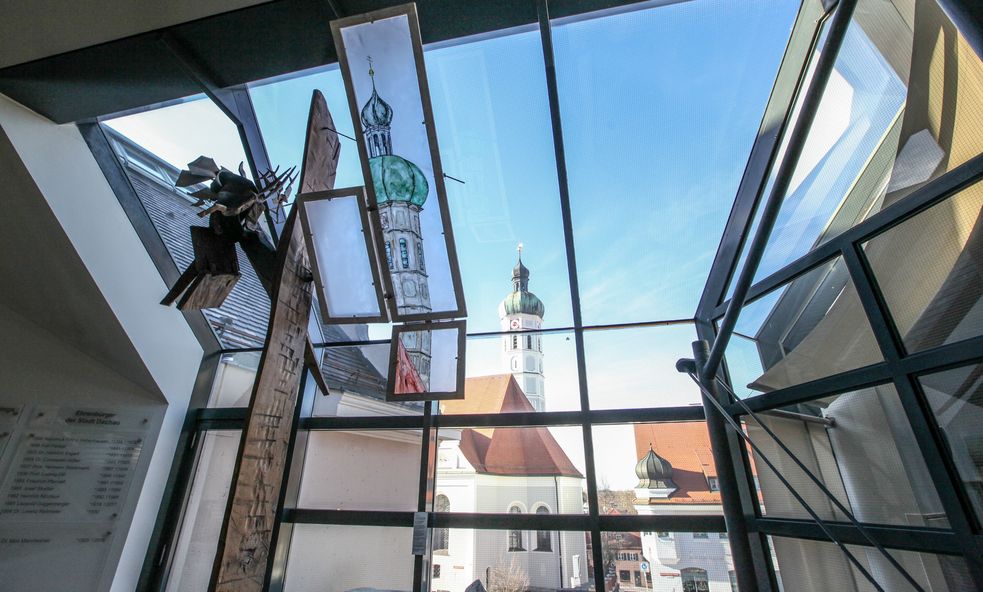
345 568
441 536
636 368
700 535
153 147
359 455
544 541
492 118
515 536
820 566
930 273
654 155
894 115
389 255
356 376
404 255
536 466
956 398
810 328
489 367
694 579
861 447
201 523
668 562
655 469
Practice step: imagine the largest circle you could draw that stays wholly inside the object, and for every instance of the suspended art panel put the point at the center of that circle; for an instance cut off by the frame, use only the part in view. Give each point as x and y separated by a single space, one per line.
339 242
426 362
381 59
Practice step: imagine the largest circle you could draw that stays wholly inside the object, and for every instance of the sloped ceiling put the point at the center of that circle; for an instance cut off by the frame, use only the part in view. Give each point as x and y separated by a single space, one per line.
43 278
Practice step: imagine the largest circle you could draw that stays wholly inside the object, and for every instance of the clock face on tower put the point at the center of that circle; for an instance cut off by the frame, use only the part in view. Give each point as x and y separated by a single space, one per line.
514 324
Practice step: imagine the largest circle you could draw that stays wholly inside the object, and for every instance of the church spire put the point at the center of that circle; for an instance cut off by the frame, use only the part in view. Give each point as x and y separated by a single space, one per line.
377 116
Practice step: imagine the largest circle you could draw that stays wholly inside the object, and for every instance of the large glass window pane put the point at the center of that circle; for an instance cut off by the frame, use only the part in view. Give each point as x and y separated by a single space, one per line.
636 368
486 558
861 447
542 368
360 470
356 376
956 397
234 379
345 558
493 123
153 147
656 469
819 566
512 469
810 328
201 524
930 271
685 561
282 108
657 126
900 109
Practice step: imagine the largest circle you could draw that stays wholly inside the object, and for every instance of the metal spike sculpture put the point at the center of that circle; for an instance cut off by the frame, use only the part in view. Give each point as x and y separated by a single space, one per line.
235 206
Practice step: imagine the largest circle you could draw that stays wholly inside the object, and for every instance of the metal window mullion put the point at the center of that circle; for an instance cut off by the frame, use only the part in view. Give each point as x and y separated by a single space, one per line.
549 62
425 491
905 538
920 417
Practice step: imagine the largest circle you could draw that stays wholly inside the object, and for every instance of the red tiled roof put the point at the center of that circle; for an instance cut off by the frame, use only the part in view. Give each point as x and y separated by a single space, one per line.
686 445
507 451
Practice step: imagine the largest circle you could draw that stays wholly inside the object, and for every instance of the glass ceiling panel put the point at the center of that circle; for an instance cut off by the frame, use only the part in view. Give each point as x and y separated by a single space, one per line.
901 108
493 125
153 147
658 125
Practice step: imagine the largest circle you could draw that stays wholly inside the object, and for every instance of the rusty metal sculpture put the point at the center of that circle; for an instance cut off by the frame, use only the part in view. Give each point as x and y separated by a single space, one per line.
235 206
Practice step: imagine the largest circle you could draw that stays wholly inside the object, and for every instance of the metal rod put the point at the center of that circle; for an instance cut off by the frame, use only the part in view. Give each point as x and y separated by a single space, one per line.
824 68
822 487
764 458
828 422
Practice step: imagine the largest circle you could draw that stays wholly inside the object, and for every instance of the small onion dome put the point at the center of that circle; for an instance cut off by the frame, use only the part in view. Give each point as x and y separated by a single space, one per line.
376 112
654 472
523 302
398 180
521 273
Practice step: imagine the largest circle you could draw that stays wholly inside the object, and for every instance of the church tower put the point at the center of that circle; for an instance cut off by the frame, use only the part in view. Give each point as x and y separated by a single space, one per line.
522 353
401 189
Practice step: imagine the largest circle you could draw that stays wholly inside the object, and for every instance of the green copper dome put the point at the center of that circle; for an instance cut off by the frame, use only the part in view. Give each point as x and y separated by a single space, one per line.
523 302
397 179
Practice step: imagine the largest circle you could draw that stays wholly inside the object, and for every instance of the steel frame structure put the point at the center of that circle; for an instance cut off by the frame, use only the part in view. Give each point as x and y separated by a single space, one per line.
748 528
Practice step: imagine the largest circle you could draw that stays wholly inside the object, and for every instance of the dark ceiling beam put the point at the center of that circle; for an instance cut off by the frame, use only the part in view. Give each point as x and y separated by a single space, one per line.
235 48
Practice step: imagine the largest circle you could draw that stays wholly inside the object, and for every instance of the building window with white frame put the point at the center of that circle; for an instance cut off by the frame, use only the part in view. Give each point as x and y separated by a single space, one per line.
515 536
544 541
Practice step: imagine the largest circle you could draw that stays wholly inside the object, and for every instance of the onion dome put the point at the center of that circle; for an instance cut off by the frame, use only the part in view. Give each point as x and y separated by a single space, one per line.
398 180
376 112
654 472
521 300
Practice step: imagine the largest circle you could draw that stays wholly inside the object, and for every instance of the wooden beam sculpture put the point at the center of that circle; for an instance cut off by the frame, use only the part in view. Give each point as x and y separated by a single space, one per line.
245 545
244 548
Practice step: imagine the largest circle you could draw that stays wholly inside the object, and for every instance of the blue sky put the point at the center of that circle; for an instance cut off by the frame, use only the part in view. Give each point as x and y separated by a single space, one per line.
660 108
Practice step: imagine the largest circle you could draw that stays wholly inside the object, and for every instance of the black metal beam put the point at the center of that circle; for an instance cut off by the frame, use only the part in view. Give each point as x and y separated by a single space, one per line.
923 540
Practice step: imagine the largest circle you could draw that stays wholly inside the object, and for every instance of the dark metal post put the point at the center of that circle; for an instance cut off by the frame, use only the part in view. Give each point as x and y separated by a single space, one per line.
748 577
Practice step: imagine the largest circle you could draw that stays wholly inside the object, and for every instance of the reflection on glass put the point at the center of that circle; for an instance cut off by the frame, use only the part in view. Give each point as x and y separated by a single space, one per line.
686 561
898 111
636 368
656 469
542 366
347 558
427 362
381 470
820 566
234 379
492 118
811 328
204 511
861 447
166 138
484 560
956 397
512 469
657 127
357 376
930 271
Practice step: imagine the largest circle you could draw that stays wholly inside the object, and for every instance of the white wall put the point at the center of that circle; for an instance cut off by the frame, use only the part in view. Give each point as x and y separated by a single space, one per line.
63 170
